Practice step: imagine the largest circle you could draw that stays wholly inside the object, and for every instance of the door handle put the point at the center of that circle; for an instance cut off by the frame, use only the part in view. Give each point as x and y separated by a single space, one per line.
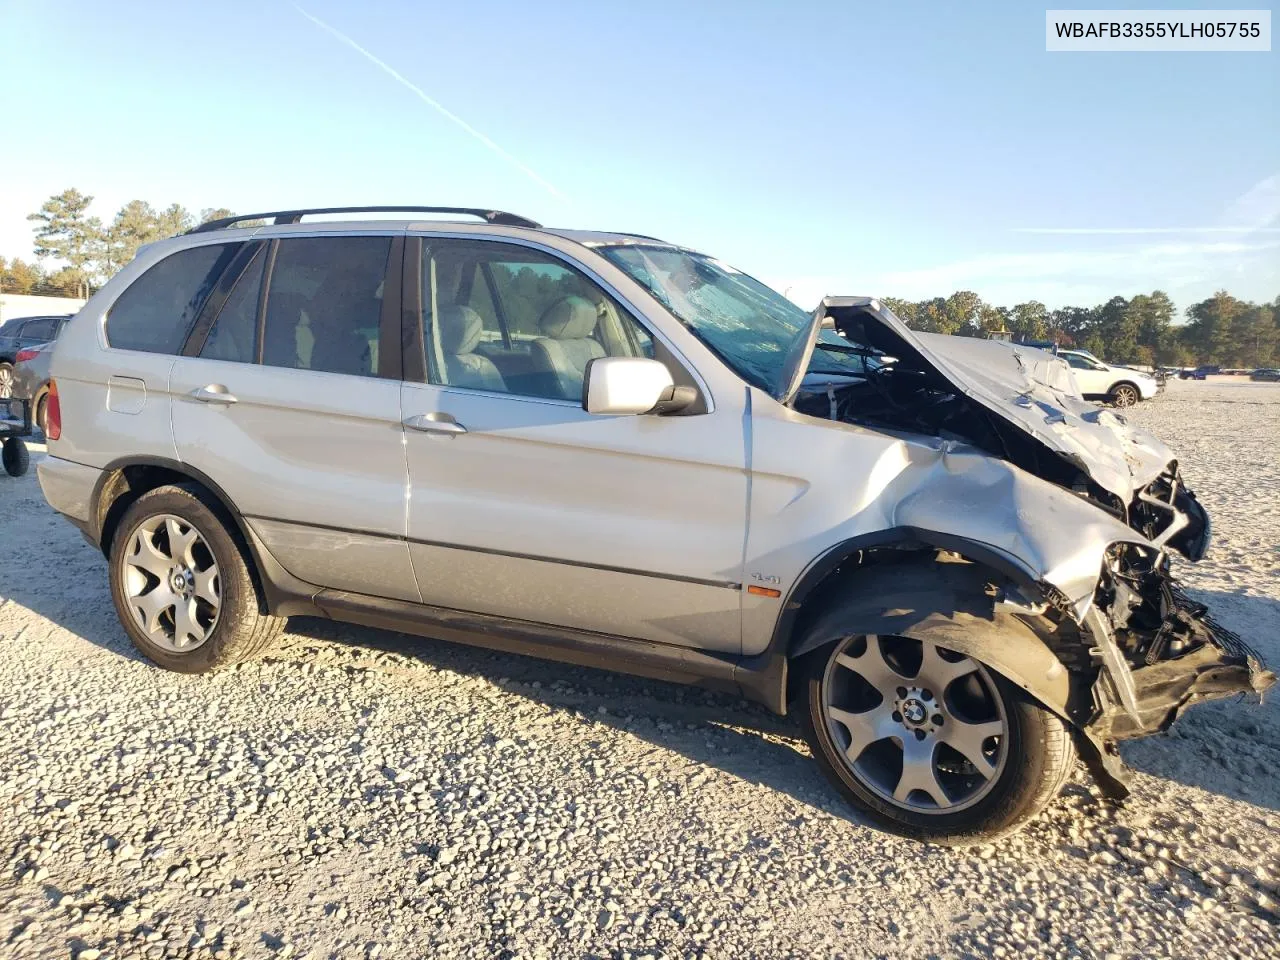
214 393
435 423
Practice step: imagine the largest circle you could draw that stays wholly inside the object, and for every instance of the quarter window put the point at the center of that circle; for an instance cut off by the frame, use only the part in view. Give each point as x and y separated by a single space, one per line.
516 320
324 304
158 309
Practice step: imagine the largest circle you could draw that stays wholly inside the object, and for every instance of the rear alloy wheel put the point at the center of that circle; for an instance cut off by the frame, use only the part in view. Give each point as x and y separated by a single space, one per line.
6 380
171 582
1124 395
181 585
931 743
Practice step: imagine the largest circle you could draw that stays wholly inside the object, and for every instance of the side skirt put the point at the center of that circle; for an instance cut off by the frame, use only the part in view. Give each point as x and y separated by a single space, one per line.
644 658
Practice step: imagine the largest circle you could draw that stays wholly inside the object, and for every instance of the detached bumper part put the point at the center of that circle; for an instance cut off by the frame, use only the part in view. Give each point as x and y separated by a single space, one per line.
1219 665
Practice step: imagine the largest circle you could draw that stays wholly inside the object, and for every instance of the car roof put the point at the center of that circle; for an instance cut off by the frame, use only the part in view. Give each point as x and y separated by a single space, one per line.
498 224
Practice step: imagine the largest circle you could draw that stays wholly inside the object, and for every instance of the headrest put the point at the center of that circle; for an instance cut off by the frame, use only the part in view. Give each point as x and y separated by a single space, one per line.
569 318
460 329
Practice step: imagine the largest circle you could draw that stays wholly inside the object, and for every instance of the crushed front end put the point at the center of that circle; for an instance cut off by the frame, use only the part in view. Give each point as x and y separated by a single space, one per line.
1156 650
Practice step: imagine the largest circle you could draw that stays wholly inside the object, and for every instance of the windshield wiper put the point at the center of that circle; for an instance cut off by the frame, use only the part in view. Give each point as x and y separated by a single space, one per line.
849 348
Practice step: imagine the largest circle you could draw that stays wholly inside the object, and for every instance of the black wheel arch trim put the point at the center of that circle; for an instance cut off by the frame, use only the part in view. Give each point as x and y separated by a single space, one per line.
905 536
764 677
282 593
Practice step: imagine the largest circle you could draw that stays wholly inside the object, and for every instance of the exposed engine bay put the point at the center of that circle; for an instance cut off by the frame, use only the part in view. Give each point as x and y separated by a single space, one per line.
1144 650
892 386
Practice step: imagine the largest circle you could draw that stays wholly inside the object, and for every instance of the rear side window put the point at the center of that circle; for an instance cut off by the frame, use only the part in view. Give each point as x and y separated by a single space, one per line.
157 310
324 304
39 331
234 333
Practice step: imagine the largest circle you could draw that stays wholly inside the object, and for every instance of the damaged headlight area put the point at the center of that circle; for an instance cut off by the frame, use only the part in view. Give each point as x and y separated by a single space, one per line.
1167 513
1159 650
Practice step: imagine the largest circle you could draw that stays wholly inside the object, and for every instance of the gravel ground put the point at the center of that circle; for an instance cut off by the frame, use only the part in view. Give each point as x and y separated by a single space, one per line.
364 794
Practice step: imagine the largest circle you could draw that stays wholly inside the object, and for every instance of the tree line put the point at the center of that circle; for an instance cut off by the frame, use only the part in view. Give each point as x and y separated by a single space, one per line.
1221 329
89 250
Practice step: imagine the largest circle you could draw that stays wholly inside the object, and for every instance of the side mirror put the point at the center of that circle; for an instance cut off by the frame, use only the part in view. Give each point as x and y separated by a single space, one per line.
632 385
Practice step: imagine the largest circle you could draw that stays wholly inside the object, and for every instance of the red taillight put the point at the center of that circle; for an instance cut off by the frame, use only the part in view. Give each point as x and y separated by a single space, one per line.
52 413
26 355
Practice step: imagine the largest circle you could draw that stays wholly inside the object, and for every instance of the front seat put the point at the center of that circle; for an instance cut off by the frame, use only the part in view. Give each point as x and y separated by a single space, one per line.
560 356
460 329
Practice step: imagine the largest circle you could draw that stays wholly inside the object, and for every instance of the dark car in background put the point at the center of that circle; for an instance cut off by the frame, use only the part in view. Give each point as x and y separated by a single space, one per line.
31 380
1266 374
18 333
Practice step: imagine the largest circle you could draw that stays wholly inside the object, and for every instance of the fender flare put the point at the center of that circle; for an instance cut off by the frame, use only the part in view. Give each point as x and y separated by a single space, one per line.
820 567
283 593
944 603
764 676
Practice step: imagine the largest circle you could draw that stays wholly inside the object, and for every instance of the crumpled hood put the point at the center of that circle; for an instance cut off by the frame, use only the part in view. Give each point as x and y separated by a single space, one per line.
1027 387
1037 391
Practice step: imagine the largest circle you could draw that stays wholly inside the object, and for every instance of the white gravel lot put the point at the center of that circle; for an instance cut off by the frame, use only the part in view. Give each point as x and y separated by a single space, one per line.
366 794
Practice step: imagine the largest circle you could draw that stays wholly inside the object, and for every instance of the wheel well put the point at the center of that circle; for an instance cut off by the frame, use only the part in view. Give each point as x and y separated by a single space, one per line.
833 586
121 485
1124 383
118 490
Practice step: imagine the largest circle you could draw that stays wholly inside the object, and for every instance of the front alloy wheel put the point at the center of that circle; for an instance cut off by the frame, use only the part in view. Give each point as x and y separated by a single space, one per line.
930 742
1124 395
928 734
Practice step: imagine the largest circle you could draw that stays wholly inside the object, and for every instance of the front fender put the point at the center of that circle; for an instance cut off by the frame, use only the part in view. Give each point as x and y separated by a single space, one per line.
1058 536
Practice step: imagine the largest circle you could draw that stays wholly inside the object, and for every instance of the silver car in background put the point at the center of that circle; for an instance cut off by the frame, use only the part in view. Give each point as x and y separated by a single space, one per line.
22 333
611 450
31 380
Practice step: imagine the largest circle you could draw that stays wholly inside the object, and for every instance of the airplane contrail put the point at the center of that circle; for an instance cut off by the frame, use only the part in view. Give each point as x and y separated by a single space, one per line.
1126 231
434 104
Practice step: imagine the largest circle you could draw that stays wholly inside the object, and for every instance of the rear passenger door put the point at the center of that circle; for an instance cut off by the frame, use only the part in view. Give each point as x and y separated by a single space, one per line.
288 397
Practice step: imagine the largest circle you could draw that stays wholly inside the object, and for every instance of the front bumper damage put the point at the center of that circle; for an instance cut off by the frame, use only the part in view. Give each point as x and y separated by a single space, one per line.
1157 652
1212 662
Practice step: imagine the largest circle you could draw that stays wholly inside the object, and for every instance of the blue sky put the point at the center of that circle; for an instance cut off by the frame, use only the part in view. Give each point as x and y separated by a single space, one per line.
897 149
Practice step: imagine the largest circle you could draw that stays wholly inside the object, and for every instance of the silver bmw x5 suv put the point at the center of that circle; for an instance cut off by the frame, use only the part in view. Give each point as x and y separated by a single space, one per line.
611 450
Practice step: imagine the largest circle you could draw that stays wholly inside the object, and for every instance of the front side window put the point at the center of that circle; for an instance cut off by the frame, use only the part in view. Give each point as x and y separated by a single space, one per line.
1082 362
750 326
157 310
324 304
510 319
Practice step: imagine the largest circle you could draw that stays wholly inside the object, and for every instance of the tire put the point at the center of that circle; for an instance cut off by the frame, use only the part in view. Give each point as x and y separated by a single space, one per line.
1029 761
6 379
15 457
215 564
1124 395
42 415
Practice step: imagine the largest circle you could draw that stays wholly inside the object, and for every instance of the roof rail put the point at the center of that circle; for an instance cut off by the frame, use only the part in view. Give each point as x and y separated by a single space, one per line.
295 216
